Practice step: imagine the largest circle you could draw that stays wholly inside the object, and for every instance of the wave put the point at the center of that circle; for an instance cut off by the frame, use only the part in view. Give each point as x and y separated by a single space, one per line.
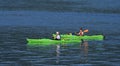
94 6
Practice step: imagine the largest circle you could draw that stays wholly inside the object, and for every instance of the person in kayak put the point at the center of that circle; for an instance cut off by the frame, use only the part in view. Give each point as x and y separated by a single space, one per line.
81 32
57 37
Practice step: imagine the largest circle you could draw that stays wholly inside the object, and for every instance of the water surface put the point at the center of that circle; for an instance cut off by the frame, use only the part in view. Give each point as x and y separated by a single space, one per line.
41 18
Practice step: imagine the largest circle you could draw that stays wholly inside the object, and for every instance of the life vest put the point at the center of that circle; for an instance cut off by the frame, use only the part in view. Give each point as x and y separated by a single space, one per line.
58 37
81 33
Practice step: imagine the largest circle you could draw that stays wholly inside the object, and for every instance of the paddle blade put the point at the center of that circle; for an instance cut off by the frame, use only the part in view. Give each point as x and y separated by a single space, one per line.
86 30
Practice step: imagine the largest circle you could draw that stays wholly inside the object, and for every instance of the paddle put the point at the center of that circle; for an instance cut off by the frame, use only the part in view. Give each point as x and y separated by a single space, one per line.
86 30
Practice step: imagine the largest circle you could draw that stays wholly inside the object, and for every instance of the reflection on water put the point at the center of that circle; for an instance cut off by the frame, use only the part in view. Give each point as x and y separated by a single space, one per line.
63 54
57 53
76 54
84 52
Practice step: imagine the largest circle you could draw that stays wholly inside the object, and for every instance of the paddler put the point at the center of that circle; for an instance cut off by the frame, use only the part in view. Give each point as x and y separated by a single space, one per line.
57 37
81 33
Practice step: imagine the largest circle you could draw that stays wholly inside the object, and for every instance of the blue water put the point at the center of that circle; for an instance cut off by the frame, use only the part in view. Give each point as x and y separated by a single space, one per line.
23 19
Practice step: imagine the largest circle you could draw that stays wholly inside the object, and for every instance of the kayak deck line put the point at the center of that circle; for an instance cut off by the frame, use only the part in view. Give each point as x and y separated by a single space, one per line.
65 39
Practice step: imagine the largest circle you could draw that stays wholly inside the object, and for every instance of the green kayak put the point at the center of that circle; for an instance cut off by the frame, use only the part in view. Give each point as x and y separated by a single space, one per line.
65 39
85 37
